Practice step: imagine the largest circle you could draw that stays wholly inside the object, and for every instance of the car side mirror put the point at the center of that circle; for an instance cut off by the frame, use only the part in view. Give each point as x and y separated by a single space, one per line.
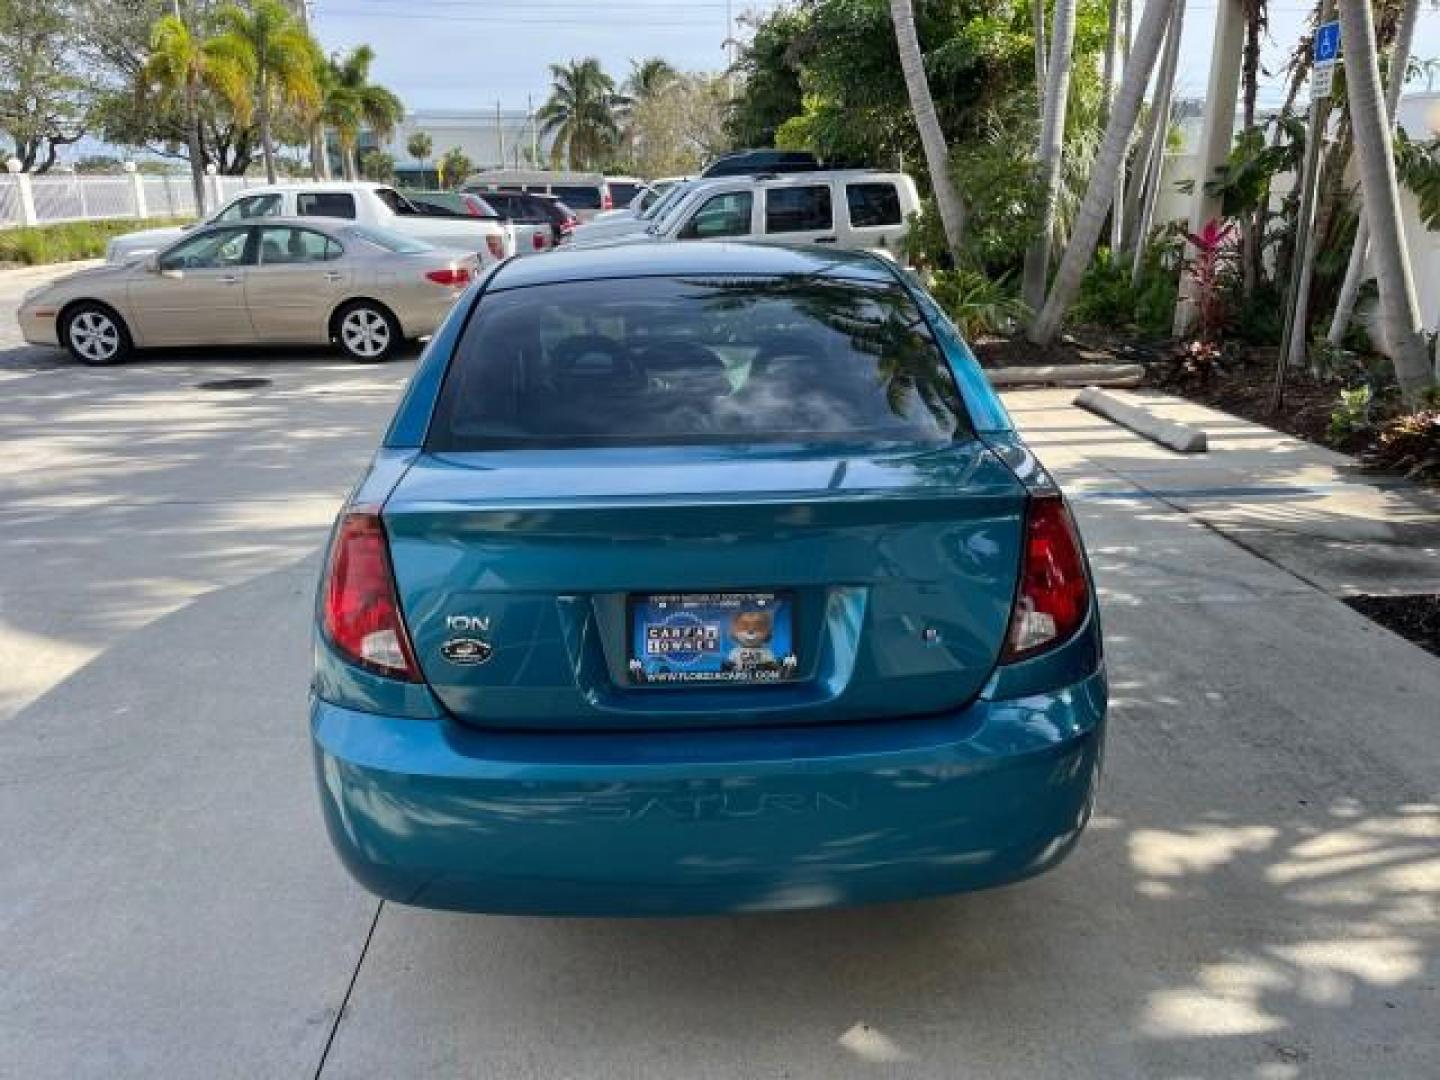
151 264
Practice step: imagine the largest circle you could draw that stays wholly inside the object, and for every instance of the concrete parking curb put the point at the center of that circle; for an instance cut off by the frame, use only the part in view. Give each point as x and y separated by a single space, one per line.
1116 375
1168 433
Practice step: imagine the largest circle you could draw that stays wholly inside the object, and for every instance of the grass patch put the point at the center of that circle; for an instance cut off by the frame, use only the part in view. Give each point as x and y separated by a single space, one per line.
69 240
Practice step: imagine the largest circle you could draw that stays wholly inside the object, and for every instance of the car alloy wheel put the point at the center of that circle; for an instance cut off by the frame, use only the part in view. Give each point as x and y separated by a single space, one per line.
94 337
366 334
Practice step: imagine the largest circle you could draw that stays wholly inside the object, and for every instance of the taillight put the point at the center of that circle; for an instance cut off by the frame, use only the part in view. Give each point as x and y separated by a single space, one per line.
361 614
453 276
606 203
496 244
1054 593
537 241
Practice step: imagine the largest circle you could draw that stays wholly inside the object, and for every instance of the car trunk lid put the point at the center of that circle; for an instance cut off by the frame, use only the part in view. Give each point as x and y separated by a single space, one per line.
518 571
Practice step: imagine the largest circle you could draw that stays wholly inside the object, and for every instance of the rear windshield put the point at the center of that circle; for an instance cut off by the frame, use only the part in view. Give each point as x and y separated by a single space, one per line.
621 194
683 361
582 197
390 241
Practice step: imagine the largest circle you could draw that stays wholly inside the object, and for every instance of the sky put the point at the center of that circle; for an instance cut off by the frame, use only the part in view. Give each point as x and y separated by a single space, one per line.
473 53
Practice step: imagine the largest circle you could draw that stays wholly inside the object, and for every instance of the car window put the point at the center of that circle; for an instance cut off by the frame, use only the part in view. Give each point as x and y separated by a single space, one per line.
580 196
744 359
798 209
336 204
212 249
873 204
283 244
621 194
727 214
251 206
396 202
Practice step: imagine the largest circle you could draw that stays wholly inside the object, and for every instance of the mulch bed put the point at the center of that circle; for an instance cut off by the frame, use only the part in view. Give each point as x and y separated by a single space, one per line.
1244 387
1086 347
1416 618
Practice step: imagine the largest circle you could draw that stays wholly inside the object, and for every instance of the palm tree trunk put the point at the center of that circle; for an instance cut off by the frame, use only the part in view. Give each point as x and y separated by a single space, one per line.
1354 271
1132 193
1375 149
1051 151
319 158
1101 190
932 138
1109 71
1152 167
1250 88
267 141
1037 16
195 148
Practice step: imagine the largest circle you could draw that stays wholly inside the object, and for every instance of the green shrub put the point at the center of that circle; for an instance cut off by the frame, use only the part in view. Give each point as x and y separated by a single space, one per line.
977 303
1352 418
69 240
1107 297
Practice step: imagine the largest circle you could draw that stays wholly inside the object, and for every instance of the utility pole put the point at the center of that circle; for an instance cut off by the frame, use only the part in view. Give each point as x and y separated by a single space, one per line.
534 132
499 133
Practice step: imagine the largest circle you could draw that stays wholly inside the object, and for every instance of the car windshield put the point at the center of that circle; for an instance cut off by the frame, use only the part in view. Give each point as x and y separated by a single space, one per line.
683 361
389 241
663 205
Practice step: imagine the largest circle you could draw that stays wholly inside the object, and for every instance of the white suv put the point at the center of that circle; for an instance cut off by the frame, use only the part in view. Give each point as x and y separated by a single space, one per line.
851 208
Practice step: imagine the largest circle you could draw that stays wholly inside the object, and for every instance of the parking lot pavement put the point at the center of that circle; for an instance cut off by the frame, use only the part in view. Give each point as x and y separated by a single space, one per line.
1256 898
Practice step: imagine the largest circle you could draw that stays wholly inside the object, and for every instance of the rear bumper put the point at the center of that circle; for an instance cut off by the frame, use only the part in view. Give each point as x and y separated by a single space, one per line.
434 814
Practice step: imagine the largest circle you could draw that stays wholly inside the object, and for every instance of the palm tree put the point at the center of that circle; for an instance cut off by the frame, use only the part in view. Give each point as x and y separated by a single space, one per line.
648 77
580 113
180 68
1052 148
1100 191
420 147
1376 153
932 137
282 58
454 167
351 102
1399 63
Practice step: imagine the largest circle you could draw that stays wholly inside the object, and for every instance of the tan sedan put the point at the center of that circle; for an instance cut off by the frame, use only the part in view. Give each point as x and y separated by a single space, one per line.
276 281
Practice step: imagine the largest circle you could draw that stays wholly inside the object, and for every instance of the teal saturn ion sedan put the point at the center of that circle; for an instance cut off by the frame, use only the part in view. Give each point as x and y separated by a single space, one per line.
702 578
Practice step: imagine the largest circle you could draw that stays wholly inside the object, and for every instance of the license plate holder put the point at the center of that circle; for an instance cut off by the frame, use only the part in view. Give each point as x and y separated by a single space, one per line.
725 639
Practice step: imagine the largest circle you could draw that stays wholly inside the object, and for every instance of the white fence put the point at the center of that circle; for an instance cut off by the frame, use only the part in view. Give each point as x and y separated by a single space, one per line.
46 199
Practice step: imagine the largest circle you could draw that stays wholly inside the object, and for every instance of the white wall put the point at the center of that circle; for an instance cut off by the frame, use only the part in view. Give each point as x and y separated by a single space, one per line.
1420 118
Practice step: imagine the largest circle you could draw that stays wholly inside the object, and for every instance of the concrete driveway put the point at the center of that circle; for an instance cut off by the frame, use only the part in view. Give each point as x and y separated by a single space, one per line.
1257 897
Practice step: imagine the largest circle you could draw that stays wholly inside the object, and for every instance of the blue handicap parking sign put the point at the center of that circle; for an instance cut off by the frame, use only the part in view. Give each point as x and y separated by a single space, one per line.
1327 42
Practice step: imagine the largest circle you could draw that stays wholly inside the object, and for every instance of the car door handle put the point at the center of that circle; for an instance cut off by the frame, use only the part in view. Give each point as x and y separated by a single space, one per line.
333 275
229 279
824 239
